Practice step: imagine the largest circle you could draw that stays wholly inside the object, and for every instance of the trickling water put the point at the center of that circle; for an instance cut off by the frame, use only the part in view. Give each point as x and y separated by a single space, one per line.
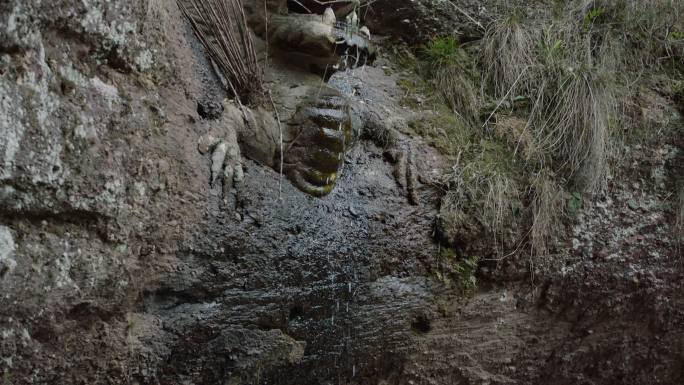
343 276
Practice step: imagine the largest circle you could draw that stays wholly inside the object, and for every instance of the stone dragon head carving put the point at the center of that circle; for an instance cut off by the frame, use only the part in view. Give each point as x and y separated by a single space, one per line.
304 127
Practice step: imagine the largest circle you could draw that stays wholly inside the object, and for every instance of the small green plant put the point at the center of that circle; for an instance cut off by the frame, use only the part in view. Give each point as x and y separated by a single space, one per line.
464 270
442 51
458 271
550 49
574 203
676 36
6 378
131 324
591 17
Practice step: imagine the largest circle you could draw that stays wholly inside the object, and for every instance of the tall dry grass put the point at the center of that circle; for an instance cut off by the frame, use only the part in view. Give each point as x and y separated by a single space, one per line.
448 65
577 67
485 182
221 27
508 54
458 92
575 125
547 209
651 31
570 100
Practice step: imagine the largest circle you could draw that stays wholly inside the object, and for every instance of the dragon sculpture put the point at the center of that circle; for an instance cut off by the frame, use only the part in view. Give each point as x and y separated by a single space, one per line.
304 126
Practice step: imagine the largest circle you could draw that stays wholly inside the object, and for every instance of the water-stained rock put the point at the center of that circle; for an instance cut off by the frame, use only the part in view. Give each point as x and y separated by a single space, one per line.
120 261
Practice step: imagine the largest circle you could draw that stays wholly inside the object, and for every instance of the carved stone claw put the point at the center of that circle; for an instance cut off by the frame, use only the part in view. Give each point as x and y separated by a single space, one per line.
226 163
404 170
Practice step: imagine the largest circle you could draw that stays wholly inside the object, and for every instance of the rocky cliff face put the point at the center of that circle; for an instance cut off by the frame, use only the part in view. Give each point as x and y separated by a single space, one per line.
121 264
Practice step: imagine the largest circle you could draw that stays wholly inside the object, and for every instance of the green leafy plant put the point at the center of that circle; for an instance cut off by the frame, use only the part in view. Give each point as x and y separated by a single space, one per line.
458 271
465 270
550 49
591 17
574 203
676 36
448 65
6 378
441 51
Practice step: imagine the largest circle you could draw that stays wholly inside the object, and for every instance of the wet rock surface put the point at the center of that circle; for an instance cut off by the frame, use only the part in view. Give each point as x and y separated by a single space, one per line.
120 263
417 21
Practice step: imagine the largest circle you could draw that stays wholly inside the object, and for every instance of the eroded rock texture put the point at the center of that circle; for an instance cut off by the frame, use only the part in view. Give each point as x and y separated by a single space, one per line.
121 262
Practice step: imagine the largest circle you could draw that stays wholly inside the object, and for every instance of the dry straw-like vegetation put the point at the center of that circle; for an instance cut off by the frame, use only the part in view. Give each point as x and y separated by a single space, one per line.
486 182
547 209
458 92
651 31
576 68
221 27
448 65
507 57
575 126
679 226
570 89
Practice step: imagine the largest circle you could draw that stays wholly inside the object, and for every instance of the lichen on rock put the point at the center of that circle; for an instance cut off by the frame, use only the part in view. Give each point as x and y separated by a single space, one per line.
7 249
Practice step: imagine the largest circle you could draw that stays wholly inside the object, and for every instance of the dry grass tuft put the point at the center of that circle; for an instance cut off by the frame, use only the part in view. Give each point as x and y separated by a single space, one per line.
651 31
657 29
679 225
448 65
547 207
221 27
577 77
458 92
575 127
516 132
572 89
486 183
507 56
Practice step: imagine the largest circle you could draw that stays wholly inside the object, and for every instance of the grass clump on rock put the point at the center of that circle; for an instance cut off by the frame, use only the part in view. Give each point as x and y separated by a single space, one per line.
557 87
448 66
507 57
